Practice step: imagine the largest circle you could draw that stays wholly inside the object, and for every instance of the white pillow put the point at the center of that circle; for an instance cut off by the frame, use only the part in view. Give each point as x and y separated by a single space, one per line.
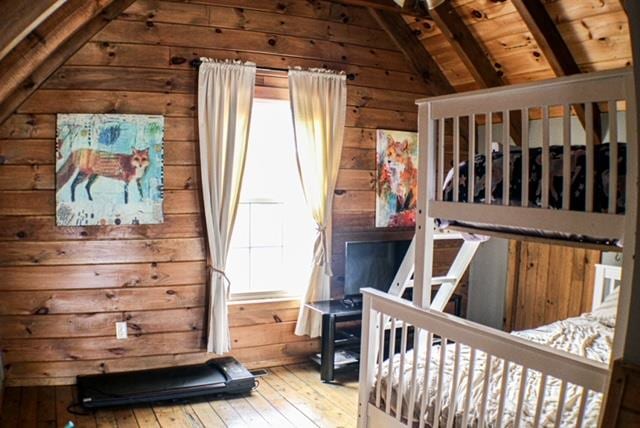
606 311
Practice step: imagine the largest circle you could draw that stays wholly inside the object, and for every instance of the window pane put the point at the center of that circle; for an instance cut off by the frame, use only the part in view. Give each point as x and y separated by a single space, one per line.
266 269
238 270
274 225
266 225
241 229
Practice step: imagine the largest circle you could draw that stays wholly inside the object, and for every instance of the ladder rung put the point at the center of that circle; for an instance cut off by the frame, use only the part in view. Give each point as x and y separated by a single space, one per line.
436 280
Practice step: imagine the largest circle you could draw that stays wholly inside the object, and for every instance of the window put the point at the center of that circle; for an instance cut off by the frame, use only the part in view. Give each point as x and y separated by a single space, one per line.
272 242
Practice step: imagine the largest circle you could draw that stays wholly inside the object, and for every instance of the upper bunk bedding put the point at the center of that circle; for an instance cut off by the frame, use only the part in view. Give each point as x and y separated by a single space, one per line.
589 335
577 197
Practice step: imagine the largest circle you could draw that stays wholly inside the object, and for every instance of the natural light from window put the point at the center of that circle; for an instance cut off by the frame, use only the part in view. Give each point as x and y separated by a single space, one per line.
272 241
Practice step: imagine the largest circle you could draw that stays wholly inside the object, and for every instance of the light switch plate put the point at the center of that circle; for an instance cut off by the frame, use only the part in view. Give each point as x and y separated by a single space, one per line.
121 330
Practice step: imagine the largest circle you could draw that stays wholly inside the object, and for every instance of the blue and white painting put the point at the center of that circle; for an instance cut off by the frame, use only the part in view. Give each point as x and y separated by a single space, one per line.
109 169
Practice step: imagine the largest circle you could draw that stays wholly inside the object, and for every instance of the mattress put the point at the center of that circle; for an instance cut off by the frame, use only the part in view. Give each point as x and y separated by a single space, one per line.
589 335
578 186
578 160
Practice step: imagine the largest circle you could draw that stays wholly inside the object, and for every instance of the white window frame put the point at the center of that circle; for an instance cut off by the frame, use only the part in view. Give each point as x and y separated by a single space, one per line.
266 93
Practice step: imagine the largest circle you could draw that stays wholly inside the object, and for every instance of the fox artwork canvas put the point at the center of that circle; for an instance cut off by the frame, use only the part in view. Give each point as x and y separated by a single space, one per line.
397 178
109 169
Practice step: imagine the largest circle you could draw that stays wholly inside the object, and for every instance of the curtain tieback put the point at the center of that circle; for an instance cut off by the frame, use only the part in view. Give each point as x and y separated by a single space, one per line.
224 276
324 259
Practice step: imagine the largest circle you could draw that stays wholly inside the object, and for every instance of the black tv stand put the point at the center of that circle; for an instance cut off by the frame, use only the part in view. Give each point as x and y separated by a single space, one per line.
334 312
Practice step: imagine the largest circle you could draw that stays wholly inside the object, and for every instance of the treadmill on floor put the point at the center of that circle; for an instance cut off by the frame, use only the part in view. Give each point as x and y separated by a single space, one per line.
218 376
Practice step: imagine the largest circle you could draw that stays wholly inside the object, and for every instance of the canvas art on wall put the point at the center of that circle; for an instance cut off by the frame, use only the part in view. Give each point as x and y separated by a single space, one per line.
397 178
109 169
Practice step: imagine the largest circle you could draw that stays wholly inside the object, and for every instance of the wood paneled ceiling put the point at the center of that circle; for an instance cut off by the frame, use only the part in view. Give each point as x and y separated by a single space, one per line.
595 31
467 42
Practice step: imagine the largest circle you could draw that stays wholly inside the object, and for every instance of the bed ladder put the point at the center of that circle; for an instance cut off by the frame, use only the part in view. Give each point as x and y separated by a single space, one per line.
448 283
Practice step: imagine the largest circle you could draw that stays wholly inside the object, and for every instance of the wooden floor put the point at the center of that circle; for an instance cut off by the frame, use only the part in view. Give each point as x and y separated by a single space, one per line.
291 396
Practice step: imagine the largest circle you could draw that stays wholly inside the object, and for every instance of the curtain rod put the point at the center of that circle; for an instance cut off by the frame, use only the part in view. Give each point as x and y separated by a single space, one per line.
195 63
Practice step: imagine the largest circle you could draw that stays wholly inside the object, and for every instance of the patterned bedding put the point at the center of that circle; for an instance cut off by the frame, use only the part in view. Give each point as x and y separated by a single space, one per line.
578 174
589 335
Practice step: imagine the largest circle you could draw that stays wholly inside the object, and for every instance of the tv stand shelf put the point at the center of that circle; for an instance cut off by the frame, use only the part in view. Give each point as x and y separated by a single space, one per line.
333 340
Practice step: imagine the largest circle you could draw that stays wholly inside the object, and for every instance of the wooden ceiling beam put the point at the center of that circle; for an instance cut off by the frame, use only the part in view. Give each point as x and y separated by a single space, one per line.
32 51
21 18
420 60
555 49
474 57
411 7
416 54
47 66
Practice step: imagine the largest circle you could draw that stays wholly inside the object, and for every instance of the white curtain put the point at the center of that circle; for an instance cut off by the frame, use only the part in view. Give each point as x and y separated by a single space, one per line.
225 97
318 103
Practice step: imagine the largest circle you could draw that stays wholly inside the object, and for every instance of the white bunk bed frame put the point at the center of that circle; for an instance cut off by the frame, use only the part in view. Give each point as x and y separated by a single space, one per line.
426 318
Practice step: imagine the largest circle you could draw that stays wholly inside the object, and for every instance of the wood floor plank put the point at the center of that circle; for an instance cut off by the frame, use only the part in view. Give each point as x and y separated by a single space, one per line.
82 420
191 418
10 408
247 412
28 407
207 415
64 397
175 416
46 407
125 418
228 414
267 411
288 410
344 394
106 419
145 417
313 404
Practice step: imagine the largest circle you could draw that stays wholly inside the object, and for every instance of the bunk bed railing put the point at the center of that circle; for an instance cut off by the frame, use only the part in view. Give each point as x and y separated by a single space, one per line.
379 406
462 114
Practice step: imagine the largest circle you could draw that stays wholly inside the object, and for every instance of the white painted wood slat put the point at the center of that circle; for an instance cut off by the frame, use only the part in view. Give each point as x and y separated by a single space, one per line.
456 158
525 157
392 352
566 156
613 156
424 401
506 157
470 382
471 169
546 158
488 157
440 151
589 159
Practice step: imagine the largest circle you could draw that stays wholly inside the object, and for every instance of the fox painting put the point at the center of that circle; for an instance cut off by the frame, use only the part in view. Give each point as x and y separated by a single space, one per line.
92 164
397 179
99 158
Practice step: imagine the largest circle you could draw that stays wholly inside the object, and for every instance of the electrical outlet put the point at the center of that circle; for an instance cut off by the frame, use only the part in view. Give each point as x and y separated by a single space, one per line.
121 330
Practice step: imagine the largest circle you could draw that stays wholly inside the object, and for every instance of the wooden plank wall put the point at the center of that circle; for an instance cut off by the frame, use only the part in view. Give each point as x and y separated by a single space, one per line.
62 289
547 283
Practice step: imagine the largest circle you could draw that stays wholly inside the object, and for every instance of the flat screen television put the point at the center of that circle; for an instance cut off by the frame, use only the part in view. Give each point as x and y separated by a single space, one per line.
372 264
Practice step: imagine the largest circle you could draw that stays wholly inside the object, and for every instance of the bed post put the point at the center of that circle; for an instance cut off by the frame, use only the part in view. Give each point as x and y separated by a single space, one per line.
368 351
426 190
626 344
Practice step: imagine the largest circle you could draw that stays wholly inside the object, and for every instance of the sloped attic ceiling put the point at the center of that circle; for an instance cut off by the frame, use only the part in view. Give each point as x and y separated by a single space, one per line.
595 32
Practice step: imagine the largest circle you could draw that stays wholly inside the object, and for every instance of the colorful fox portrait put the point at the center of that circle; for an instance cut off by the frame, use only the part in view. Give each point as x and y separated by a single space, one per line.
397 178
91 164
109 169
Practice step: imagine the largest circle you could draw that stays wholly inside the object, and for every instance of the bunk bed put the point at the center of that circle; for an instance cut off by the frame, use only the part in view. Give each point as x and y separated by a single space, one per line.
528 383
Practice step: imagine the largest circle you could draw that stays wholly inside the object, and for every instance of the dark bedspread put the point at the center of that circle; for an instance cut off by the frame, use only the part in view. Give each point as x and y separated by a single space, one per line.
578 174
